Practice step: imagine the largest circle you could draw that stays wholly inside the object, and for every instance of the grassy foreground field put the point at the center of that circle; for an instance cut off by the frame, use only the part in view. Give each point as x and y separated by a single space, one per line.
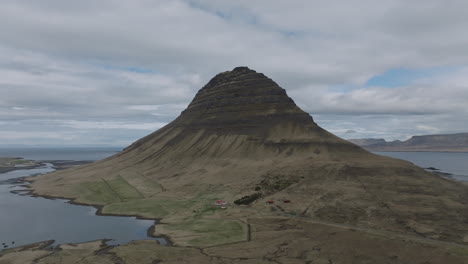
197 218
274 240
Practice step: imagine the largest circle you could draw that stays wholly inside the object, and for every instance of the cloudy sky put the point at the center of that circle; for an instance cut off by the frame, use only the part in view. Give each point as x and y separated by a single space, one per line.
109 72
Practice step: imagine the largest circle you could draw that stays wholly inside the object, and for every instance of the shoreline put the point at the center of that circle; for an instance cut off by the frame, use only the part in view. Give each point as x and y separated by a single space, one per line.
438 151
56 164
45 244
149 232
15 168
29 191
26 190
275 233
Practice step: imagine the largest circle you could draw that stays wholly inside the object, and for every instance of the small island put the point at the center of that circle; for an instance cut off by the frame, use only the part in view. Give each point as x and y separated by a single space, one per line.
14 163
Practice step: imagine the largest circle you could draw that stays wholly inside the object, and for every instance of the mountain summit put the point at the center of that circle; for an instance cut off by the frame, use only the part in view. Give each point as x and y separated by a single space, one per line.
245 114
242 100
244 141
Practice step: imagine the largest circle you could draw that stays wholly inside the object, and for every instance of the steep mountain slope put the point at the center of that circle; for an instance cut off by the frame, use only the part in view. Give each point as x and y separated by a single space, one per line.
366 141
442 142
242 136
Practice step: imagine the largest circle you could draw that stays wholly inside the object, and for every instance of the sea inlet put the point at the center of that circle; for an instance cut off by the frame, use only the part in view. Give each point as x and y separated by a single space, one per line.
25 219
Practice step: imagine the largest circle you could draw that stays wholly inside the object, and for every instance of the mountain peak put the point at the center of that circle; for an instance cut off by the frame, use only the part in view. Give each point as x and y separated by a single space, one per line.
242 97
237 74
242 69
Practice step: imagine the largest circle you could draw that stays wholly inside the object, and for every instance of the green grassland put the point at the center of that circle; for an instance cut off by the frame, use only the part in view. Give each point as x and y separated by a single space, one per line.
154 207
12 162
119 197
147 251
123 189
119 189
96 192
210 232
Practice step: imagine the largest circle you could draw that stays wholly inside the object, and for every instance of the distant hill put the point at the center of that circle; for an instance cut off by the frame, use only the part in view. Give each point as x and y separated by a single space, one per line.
367 141
444 142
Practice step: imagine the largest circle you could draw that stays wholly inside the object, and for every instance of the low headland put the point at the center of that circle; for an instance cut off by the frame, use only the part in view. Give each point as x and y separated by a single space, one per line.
434 143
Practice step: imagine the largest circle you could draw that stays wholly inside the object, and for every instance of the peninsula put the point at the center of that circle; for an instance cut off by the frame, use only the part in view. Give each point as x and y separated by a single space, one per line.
243 175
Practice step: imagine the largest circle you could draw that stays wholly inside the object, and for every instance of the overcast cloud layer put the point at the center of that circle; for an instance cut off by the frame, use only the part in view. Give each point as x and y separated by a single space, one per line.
109 72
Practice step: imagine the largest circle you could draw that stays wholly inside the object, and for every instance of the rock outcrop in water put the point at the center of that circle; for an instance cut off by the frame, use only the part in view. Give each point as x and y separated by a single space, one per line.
243 139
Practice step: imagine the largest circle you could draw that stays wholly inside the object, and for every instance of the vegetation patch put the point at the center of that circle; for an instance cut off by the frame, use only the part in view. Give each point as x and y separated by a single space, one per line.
209 232
107 191
124 190
460 251
276 183
96 192
149 251
248 199
146 186
148 208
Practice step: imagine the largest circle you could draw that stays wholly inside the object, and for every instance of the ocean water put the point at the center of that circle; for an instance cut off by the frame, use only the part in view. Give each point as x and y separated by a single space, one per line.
455 163
83 153
25 219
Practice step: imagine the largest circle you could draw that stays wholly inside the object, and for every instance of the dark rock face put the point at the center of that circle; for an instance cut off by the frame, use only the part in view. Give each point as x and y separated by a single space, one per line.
240 100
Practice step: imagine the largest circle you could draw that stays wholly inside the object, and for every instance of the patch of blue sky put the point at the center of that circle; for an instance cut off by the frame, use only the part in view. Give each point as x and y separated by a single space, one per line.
139 70
404 76
125 68
342 88
234 14
244 16
290 34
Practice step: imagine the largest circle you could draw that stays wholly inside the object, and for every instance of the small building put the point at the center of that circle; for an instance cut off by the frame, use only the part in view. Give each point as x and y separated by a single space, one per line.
286 201
270 202
220 203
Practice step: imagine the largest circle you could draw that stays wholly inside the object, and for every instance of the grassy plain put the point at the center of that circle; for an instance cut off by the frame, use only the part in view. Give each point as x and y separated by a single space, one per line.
274 240
195 218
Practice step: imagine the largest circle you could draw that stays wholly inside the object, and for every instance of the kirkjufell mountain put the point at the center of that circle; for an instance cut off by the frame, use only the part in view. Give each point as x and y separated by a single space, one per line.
244 141
242 114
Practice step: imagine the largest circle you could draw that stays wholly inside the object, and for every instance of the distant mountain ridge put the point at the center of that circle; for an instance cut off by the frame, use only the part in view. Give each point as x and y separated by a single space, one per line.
367 141
439 142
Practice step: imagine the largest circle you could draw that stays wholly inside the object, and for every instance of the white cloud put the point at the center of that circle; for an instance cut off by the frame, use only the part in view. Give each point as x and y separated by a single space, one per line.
36 135
144 107
129 64
112 125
